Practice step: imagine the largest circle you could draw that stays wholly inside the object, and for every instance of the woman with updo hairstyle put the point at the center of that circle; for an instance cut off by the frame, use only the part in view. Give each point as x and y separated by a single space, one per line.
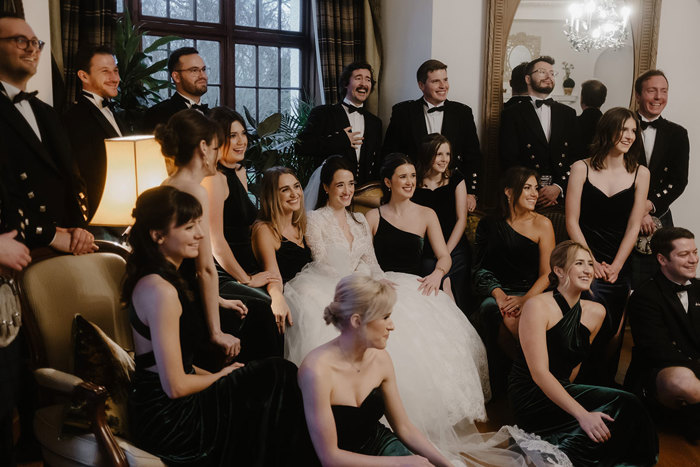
592 425
348 384
442 188
606 199
244 415
511 265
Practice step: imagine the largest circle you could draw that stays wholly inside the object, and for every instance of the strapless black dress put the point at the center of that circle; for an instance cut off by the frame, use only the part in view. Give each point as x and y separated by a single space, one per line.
396 249
359 429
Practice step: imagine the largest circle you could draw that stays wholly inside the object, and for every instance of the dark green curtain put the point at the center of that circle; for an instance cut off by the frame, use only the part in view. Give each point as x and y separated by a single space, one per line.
341 40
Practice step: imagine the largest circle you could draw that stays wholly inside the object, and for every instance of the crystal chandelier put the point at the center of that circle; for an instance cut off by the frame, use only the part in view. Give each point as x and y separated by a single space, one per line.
597 24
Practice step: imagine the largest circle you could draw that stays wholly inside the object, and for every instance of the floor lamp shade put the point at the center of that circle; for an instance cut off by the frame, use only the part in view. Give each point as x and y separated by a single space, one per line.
134 164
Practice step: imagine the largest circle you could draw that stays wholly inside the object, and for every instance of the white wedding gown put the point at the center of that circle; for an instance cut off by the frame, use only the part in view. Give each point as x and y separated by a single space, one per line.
439 359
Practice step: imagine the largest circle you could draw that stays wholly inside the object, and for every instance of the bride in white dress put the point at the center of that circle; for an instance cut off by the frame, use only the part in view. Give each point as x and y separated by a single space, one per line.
439 358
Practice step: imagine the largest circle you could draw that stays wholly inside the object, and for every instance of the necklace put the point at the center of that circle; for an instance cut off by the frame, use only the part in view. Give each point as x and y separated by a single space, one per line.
353 365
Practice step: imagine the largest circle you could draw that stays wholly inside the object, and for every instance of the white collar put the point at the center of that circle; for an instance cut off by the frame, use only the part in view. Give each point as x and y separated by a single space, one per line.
189 101
349 102
10 90
644 119
430 106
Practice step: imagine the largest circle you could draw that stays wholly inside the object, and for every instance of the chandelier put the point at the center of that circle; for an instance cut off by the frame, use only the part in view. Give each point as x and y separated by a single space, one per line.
597 24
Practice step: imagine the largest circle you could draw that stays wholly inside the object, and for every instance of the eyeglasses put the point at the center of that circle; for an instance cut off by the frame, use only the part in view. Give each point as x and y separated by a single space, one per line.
543 72
23 43
194 70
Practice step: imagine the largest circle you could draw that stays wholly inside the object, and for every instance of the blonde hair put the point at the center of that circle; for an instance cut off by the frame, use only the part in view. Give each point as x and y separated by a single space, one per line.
563 257
270 208
362 295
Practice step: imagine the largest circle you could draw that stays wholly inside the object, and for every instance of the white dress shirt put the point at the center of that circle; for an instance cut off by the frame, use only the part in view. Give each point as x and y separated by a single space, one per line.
544 113
96 99
433 120
648 138
683 295
357 122
23 107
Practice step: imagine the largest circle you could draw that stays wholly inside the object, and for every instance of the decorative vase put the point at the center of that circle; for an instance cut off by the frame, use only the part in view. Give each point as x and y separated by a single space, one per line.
568 85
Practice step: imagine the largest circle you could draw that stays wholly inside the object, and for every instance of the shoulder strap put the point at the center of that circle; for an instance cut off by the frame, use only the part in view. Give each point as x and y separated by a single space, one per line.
635 174
137 324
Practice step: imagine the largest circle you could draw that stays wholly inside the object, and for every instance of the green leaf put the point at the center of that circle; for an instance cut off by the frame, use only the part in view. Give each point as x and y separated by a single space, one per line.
251 121
270 125
159 42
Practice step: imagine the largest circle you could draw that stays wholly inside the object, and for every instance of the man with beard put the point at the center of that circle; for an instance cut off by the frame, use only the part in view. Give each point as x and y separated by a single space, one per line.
346 128
543 136
412 121
189 74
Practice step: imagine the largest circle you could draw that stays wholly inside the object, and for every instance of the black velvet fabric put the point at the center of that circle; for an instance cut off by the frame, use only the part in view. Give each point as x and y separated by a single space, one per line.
633 438
291 258
397 250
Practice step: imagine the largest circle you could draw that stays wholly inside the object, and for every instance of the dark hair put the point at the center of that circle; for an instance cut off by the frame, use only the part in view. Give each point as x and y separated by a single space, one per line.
224 117
389 165
344 79
517 79
11 14
514 178
175 57
330 166
645 76
531 65
662 240
181 135
562 256
85 54
156 209
593 93
607 134
426 156
428 66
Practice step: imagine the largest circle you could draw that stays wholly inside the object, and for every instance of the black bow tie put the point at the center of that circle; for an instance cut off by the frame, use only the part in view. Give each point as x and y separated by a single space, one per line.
106 102
351 108
681 288
645 124
539 102
201 107
440 108
22 96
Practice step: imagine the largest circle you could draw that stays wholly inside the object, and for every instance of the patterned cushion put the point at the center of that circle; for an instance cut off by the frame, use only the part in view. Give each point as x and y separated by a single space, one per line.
98 359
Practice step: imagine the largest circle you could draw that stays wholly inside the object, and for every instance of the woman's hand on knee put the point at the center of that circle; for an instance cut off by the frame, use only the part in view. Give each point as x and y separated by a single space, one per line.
593 424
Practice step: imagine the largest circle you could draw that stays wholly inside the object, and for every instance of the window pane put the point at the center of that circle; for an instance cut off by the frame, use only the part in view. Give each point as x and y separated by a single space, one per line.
245 12
291 68
154 8
182 9
212 97
245 65
267 62
289 100
208 11
291 15
157 55
120 6
246 97
268 102
209 50
269 18
174 45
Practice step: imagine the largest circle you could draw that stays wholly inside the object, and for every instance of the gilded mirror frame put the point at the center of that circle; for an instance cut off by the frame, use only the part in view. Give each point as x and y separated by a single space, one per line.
499 17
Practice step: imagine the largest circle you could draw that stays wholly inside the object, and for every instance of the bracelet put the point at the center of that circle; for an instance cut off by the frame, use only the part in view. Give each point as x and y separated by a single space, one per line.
438 268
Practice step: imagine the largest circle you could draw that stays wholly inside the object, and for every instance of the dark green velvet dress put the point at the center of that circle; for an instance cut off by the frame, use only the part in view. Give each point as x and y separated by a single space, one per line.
633 438
359 429
251 417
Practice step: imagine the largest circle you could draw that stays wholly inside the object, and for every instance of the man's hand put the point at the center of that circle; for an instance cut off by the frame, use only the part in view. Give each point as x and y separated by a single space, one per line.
648 226
471 202
13 254
548 196
355 137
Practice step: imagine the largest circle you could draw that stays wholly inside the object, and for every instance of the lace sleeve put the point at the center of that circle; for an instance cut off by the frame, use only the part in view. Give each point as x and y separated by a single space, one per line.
368 256
314 236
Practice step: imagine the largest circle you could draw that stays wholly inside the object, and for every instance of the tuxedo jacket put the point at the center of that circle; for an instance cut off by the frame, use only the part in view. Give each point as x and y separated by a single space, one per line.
668 165
40 177
587 122
87 128
162 111
522 141
516 100
407 130
664 334
324 136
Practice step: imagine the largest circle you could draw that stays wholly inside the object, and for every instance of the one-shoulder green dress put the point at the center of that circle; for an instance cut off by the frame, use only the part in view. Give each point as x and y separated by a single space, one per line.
633 438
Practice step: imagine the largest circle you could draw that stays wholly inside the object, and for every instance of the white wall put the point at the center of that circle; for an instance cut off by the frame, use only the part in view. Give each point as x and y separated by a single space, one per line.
679 37
36 12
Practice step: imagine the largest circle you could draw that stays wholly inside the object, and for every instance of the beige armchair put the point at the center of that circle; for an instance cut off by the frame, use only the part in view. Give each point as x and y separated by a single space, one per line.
53 289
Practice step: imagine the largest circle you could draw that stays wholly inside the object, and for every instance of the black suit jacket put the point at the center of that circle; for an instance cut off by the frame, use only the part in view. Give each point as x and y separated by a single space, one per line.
668 165
664 334
407 130
40 177
87 128
522 141
324 136
587 122
162 111
516 100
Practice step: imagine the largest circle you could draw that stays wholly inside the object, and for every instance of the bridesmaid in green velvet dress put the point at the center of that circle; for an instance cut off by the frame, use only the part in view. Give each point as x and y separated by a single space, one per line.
592 425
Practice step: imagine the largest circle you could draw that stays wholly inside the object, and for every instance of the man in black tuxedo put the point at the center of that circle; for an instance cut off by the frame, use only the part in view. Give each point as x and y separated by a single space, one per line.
91 120
189 73
40 177
665 320
518 86
412 121
593 94
542 136
347 128
667 154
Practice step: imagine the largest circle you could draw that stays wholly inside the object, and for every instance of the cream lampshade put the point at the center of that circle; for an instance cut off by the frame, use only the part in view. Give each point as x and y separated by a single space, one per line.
134 164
